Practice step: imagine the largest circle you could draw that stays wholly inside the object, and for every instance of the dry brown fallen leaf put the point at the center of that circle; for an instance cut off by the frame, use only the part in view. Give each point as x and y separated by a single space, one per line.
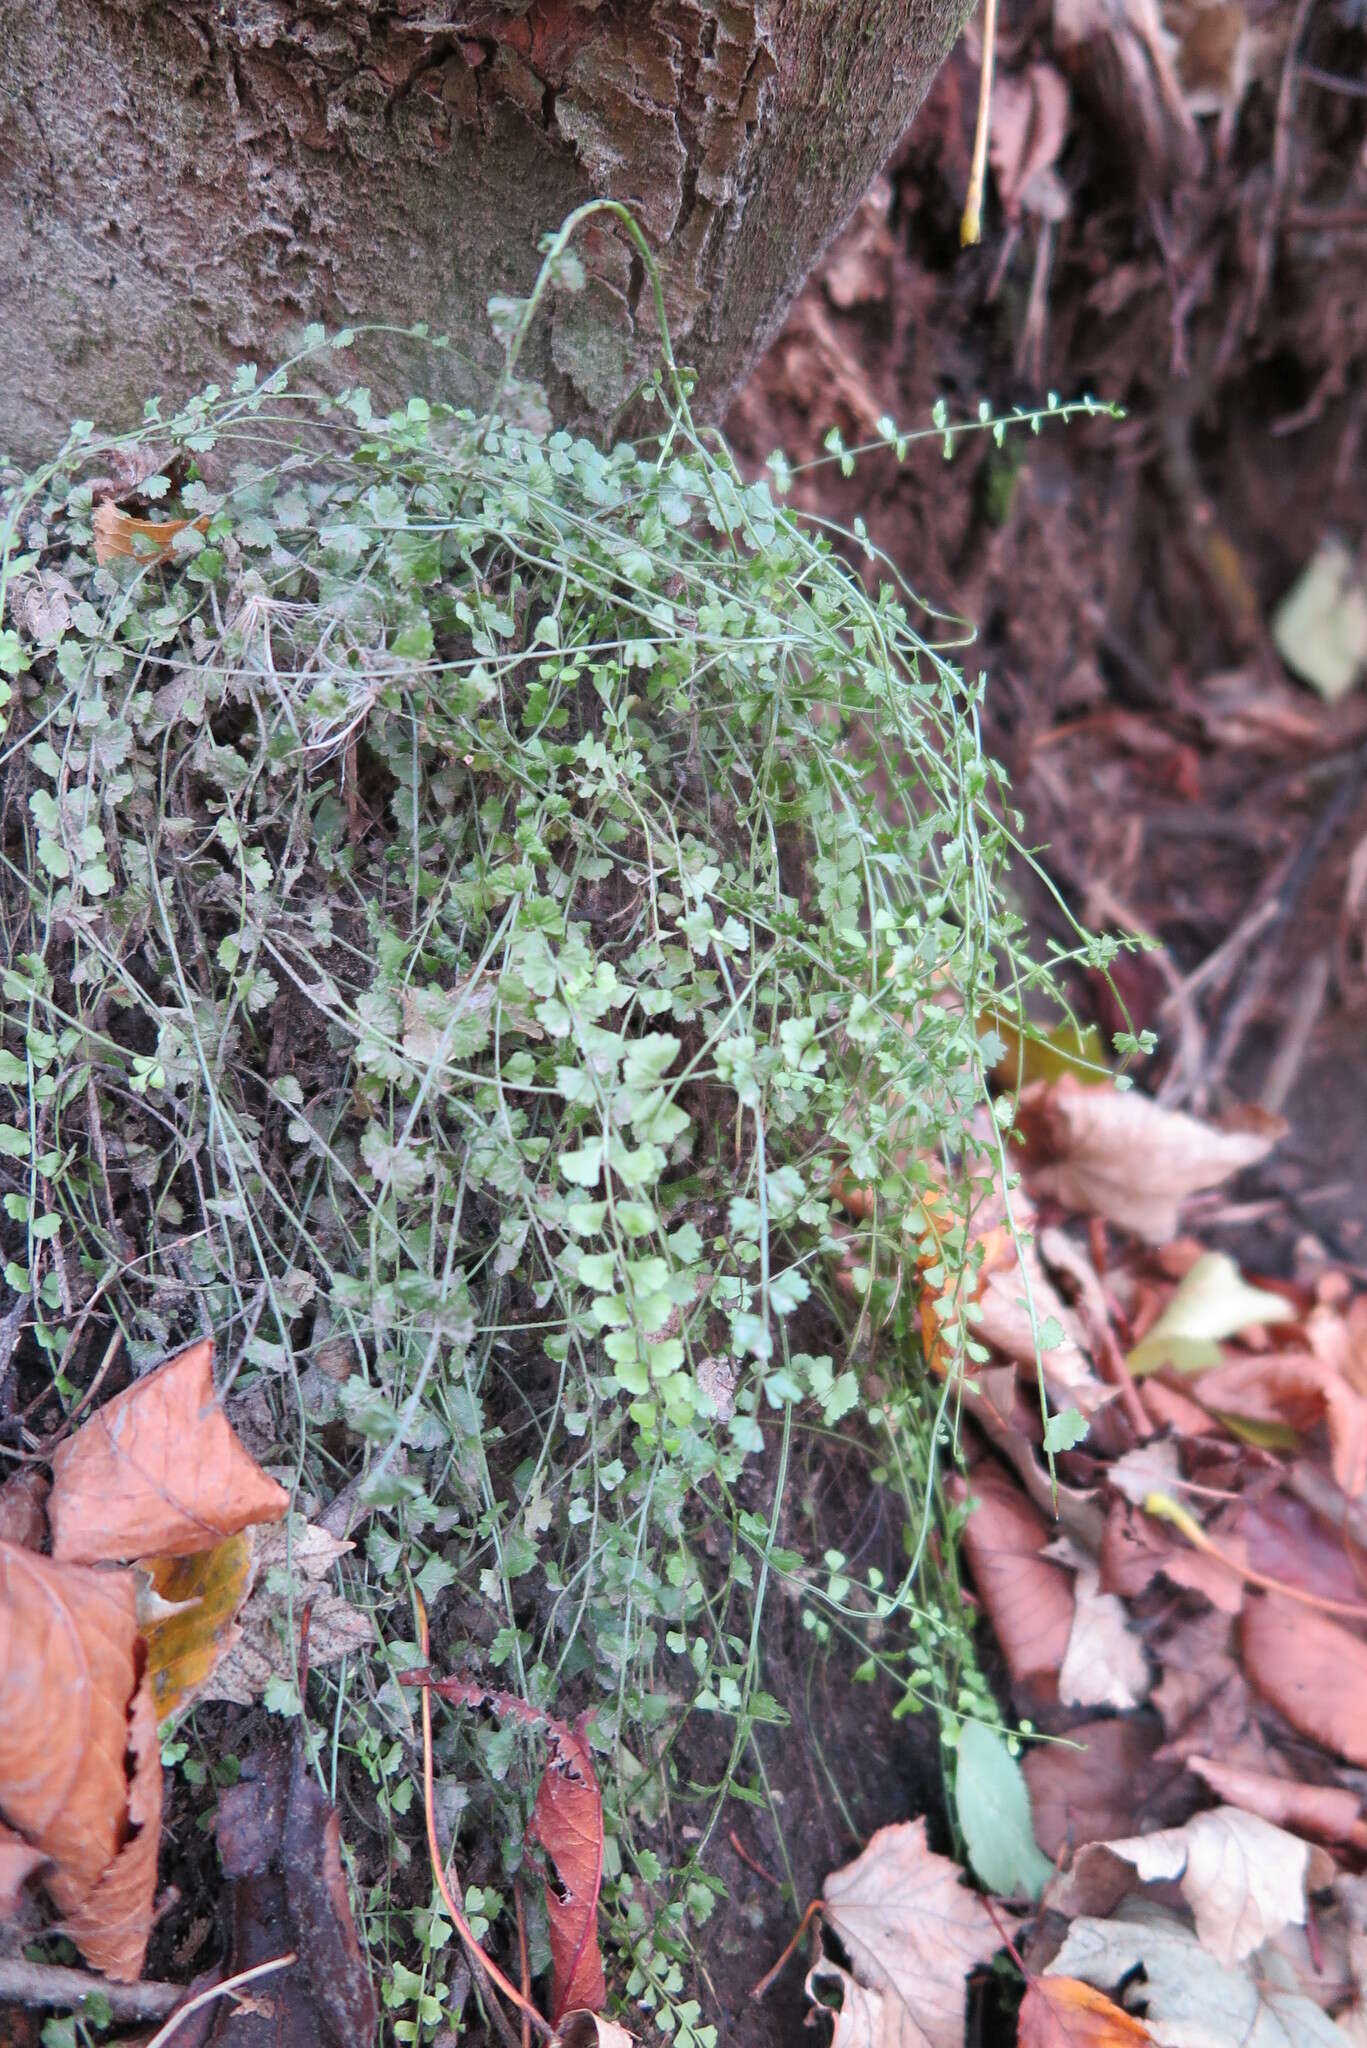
157 1472
913 1932
1243 1878
1296 1389
1136 1548
1028 1600
1063 2012
80 1772
1121 1156
1099 1782
1329 1813
265 1637
1310 1669
118 533
23 1517
1104 1664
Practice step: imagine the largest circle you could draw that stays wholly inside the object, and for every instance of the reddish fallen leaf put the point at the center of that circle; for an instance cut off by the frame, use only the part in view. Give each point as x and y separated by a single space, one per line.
1063 2012
80 1773
1311 1670
1300 1391
118 533
157 1472
1107 1785
567 1821
1028 1599
1136 1548
1283 1539
1329 1812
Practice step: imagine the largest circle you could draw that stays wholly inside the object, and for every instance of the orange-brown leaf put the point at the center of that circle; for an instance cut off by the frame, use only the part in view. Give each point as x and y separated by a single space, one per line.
567 1820
157 1472
1028 1599
1328 1812
1063 2012
72 1712
1312 1671
111 1924
118 533
209 1589
1295 1388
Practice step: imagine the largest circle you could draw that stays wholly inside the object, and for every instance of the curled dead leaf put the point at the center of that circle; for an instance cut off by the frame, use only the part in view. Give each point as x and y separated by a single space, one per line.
1121 1156
157 1472
590 2030
119 535
1029 129
1331 1813
80 1772
201 1595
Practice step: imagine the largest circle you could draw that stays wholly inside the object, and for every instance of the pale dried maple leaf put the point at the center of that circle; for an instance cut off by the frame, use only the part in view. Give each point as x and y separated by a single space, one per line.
1121 1156
157 1472
1191 2001
1243 1878
72 1717
913 1932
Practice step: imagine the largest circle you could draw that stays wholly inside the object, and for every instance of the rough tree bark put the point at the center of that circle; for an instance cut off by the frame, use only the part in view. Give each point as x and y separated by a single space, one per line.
185 183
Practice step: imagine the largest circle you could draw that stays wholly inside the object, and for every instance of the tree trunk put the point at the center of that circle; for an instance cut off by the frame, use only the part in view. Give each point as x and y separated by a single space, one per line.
185 183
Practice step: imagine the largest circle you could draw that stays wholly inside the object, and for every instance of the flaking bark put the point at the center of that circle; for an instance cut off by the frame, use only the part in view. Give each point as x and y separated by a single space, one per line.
184 185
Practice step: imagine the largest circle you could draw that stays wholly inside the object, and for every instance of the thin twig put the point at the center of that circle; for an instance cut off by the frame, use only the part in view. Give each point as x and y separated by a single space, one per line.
480 1963
767 1979
1281 161
971 226
230 1986
1164 1509
52 1984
